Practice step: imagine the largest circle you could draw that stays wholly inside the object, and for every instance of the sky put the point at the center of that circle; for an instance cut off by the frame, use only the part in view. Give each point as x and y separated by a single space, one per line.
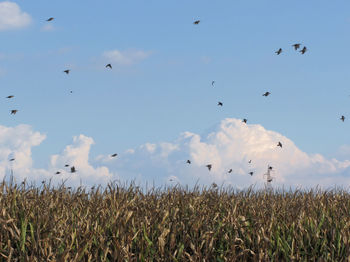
159 90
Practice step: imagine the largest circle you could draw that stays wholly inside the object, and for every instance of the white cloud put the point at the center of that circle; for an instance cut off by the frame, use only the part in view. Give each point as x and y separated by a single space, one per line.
11 16
126 58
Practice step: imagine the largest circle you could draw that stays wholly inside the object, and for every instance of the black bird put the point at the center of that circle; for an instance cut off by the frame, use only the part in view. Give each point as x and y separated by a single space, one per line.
66 165
12 159
296 46
279 51
209 167
230 171
270 167
279 144
342 118
245 120
251 173
212 83
58 172
249 161
220 103
50 19
302 51
109 65
14 111
188 161
72 169
267 93
10 96
67 71
196 22
114 155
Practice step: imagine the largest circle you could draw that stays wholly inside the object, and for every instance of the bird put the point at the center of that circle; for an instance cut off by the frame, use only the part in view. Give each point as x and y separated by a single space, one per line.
212 83
11 96
342 118
66 165
58 172
72 169
109 65
251 173
270 167
220 103
114 155
302 51
209 167
188 161
296 46
67 71
14 111
230 171
244 120
50 19
12 159
279 51
249 161
279 144
196 22
267 93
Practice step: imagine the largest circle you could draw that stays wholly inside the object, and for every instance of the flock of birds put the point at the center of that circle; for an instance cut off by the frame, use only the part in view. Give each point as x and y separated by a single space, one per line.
296 47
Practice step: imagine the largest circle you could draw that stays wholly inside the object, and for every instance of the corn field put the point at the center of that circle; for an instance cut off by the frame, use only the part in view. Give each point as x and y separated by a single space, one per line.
127 223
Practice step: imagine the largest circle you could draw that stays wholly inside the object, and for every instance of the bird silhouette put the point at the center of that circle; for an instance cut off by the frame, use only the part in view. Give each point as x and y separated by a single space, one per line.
251 173
114 155
14 111
109 65
209 167
50 19
302 51
267 93
196 22
279 144
10 96
72 169
342 118
58 172
67 71
66 165
220 103
188 161
12 159
296 46
212 83
230 171
244 120
270 167
279 51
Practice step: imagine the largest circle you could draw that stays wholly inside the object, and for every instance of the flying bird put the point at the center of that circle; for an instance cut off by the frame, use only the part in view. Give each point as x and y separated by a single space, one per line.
114 155
58 172
12 159
267 93
279 51
209 167
244 120
249 161
10 96
230 171
251 173
188 161
212 83
72 169
302 51
50 19
342 118
109 65
270 167
196 22
296 46
14 111
220 103
66 165
67 71
279 144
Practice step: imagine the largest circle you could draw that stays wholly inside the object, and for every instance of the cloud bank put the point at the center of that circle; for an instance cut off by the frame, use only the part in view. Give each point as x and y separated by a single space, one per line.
12 17
230 145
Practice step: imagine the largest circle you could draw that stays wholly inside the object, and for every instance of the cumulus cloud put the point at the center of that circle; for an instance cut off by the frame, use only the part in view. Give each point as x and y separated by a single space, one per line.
127 57
12 17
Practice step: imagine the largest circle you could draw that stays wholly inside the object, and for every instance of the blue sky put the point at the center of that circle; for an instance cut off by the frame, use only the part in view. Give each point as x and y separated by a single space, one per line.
168 89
